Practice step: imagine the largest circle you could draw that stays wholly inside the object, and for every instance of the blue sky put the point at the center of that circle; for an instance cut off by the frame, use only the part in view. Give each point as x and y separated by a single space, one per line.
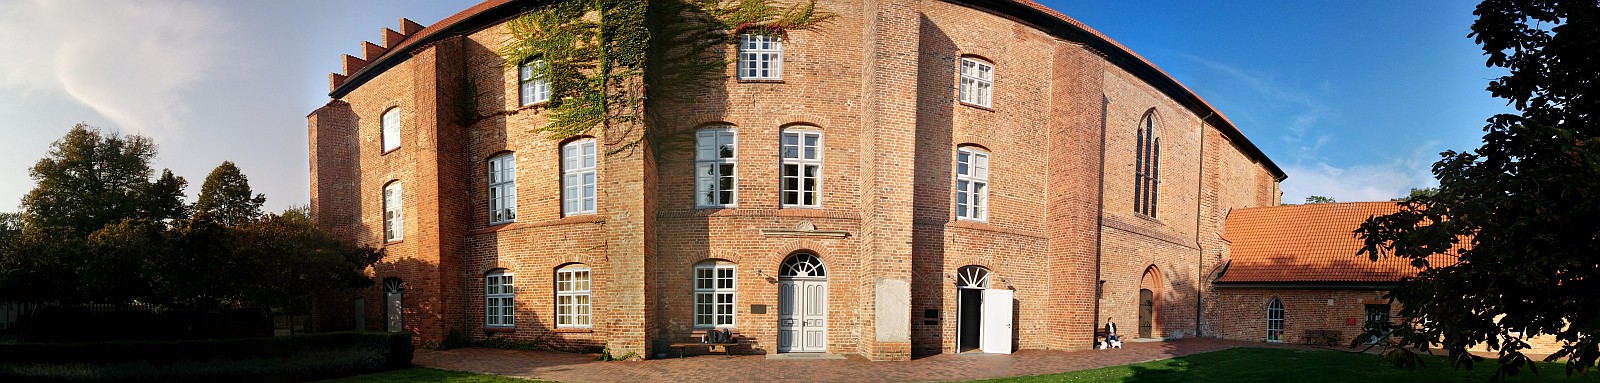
1353 99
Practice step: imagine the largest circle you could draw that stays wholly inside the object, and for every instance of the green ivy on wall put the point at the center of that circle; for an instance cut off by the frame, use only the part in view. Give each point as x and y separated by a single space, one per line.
608 60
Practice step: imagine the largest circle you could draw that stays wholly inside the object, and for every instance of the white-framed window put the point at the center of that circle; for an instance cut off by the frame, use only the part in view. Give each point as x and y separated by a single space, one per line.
391 129
802 168
716 181
1147 167
535 82
502 188
714 294
578 177
977 81
572 297
972 184
1275 320
499 305
394 227
760 57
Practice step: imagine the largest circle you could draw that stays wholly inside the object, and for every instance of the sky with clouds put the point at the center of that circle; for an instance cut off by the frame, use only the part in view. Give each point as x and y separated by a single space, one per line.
1354 100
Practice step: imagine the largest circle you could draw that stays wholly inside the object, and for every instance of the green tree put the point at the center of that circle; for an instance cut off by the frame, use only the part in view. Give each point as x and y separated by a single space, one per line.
226 198
1319 199
40 264
119 269
163 200
89 179
295 259
1512 230
1417 192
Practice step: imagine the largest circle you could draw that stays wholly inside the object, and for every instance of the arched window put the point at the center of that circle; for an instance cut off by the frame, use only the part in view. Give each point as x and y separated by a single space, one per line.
802 265
714 294
533 76
716 170
802 167
502 188
972 184
391 129
572 296
1147 167
1275 320
977 81
578 177
394 227
972 277
499 299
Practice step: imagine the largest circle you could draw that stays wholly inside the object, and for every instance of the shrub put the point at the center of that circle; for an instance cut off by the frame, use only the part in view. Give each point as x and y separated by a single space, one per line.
290 358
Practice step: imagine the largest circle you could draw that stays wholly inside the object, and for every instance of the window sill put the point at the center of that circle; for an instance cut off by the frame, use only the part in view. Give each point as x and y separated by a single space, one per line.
499 329
760 81
572 330
987 108
394 242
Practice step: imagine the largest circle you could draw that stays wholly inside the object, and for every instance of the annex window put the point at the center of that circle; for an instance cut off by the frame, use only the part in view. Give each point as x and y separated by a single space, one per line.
715 171
502 189
391 129
499 300
578 177
1275 320
977 81
393 224
1147 167
802 168
535 82
760 57
713 294
572 296
972 184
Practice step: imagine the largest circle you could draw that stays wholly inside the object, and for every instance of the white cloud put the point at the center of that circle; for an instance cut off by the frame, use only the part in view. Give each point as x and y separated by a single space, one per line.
1365 182
128 61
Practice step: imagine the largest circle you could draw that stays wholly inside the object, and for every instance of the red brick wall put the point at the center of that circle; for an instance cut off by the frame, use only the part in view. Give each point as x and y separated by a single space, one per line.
1245 311
880 82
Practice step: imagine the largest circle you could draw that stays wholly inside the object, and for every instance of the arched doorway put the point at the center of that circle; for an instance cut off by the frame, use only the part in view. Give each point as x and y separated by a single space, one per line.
983 315
1149 302
392 305
802 304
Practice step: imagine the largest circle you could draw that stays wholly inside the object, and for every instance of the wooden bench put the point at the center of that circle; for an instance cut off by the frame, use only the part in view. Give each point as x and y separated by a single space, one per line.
1322 337
695 341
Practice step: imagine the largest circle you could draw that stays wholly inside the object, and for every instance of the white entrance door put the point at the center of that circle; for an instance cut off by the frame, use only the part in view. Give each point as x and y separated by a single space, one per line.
392 305
996 337
802 305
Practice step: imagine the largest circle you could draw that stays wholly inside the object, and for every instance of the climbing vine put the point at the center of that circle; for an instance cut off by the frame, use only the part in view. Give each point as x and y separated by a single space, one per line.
608 60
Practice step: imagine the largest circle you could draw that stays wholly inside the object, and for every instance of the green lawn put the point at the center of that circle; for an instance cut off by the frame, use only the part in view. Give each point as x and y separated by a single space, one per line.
419 374
1276 365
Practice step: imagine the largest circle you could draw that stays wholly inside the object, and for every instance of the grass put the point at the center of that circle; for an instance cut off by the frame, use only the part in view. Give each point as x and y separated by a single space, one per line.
1278 365
419 374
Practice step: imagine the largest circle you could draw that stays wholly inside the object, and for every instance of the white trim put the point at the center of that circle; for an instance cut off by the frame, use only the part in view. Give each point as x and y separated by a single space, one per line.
803 156
760 57
394 224
972 184
390 124
499 295
533 84
578 178
574 309
502 188
715 291
977 82
714 163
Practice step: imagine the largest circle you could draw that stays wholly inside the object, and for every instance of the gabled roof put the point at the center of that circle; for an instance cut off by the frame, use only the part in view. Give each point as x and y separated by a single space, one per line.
1312 243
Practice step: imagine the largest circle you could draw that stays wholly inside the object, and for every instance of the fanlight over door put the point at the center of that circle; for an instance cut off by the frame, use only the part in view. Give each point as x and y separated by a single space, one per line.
802 304
972 277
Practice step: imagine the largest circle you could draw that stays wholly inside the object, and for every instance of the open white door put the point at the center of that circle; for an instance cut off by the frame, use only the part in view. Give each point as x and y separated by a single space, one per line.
996 337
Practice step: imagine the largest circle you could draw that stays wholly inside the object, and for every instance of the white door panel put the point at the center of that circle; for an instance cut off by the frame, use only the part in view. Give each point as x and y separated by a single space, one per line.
996 335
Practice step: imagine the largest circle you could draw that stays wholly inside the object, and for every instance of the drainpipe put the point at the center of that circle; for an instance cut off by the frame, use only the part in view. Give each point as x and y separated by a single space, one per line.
1099 216
1199 198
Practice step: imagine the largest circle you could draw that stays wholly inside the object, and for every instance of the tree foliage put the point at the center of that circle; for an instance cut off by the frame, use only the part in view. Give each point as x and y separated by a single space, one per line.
1319 199
226 197
89 179
1518 212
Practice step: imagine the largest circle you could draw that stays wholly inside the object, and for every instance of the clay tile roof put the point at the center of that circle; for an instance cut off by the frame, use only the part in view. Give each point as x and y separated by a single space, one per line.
1307 243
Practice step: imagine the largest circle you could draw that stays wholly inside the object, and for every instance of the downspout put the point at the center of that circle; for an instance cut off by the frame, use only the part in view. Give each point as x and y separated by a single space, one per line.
1199 198
1099 216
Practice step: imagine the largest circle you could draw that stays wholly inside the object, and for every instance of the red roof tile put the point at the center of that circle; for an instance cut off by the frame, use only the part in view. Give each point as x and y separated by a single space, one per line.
1307 243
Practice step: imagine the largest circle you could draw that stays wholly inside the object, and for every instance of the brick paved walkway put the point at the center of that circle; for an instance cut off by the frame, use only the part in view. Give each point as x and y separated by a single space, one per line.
566 367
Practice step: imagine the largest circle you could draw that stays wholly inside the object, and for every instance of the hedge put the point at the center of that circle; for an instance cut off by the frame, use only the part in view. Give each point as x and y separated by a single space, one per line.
288 358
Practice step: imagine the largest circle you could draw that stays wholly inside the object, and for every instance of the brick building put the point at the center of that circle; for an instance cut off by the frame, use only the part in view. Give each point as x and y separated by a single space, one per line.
916 177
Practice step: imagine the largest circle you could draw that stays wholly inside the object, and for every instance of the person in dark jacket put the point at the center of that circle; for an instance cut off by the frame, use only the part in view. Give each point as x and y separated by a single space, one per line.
1112 339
